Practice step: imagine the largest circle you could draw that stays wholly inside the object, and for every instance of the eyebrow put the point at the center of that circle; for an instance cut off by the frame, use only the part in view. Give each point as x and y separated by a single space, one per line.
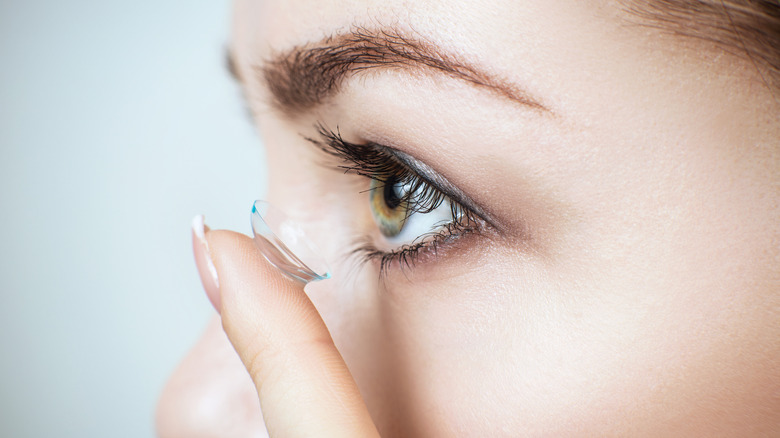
306 76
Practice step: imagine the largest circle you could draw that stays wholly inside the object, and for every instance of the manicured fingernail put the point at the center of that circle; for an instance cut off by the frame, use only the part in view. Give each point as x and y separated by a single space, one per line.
206 269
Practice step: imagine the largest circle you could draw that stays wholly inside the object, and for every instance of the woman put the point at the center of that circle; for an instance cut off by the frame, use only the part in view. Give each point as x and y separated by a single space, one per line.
557 219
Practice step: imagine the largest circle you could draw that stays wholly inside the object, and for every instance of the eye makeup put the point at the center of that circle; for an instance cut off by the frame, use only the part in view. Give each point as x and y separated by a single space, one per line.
417 211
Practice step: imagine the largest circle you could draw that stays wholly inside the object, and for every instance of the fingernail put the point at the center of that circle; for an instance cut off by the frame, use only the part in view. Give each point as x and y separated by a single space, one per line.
206 269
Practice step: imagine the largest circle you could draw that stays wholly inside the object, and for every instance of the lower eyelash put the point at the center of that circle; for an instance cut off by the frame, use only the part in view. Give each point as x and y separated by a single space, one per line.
406 256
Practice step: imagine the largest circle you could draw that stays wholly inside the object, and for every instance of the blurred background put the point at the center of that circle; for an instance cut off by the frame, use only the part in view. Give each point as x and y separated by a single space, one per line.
118 123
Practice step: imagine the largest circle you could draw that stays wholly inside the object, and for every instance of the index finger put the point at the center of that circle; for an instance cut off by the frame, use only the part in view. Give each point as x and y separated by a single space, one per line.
304 386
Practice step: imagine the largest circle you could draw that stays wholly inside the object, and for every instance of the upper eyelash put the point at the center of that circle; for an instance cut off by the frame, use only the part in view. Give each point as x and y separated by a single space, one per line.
373 161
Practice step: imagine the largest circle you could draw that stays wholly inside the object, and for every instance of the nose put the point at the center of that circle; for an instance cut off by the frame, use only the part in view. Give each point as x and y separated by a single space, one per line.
210 394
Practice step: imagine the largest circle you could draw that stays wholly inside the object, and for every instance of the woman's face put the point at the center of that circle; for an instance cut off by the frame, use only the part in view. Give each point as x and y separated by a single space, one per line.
613 267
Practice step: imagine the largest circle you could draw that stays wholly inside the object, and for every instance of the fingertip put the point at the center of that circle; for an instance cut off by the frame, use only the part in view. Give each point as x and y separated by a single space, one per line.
236 255
252 290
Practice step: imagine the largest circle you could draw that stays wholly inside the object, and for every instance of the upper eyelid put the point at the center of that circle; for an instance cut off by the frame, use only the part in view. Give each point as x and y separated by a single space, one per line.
422 170
435 179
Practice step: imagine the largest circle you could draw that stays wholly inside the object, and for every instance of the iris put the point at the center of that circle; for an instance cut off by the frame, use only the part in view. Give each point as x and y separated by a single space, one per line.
389 206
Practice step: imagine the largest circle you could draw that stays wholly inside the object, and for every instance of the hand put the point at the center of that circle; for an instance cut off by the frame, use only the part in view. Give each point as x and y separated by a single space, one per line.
304 386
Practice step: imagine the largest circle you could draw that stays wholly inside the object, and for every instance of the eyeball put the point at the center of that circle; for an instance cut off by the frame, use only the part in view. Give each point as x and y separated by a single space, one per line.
393 210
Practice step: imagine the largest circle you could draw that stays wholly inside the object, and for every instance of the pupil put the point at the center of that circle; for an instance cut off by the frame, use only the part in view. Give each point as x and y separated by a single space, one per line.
392 193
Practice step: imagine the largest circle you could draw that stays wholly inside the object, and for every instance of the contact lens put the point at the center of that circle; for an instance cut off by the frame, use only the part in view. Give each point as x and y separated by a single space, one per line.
285 245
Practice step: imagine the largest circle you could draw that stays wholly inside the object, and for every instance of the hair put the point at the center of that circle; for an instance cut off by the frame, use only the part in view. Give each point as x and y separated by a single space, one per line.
750 28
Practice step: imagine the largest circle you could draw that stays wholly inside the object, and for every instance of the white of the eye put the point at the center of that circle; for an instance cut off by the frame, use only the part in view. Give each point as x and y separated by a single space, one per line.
419 224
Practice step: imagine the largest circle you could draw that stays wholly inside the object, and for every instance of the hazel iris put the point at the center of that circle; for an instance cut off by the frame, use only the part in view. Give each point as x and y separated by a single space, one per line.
389 206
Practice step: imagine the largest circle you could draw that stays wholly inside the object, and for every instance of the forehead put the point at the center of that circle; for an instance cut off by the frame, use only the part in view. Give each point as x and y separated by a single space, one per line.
496 29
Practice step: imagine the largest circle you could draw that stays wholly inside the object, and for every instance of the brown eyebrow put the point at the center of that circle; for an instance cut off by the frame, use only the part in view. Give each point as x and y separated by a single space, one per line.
306 76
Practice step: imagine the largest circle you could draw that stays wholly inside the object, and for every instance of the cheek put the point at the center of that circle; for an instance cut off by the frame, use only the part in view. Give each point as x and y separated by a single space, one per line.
210 394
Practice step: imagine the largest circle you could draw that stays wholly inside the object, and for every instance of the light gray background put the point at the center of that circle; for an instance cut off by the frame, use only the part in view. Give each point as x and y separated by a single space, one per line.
118 123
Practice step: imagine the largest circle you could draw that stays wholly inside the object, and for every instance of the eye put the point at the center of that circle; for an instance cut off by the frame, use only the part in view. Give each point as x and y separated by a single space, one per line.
413 213
398 212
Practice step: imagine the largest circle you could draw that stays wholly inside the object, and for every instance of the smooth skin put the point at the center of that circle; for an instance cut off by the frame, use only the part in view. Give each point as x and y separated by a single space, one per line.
634 289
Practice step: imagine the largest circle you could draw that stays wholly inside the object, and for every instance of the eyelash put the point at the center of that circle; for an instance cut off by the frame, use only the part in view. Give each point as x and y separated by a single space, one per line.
375 162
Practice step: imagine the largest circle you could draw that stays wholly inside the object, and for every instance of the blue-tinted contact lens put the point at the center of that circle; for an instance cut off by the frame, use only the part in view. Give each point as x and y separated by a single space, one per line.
285 245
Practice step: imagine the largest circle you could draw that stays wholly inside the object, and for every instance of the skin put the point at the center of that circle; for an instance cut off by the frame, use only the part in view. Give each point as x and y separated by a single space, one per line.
634 287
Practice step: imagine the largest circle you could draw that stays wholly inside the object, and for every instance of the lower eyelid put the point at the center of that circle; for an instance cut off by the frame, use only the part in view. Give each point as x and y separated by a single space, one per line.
438 251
